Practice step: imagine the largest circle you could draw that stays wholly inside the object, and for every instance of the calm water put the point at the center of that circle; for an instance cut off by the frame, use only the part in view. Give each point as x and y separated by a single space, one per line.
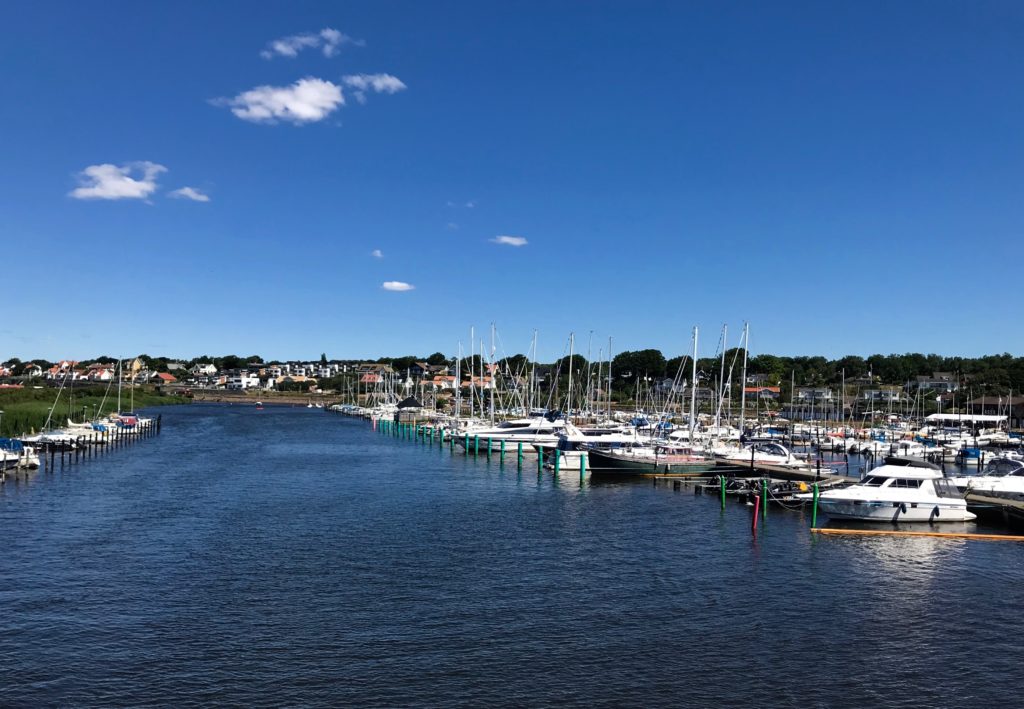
294 557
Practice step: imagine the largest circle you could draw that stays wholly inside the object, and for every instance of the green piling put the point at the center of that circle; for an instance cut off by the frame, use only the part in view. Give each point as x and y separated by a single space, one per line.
583 466
558 461
476 446
721 480
502 457
519 455
488 448
764 499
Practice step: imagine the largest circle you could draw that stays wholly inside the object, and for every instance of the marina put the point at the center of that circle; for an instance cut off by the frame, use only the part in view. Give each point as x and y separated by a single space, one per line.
371 549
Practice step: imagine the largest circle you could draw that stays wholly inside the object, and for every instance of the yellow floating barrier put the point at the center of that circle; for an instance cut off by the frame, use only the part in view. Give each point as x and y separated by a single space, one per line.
941 535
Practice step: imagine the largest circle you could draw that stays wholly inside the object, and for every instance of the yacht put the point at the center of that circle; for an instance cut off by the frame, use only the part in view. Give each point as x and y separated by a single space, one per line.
643 459
765 453
528 431
1003 474
902 489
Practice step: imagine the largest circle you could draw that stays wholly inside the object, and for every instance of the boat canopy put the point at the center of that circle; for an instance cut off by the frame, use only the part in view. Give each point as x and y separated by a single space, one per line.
966 418
909 461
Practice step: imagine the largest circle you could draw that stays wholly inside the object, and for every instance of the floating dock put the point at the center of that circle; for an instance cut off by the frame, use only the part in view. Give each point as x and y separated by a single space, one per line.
902 533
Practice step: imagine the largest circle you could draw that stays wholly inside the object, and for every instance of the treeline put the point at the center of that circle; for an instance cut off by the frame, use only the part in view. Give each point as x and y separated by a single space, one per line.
990 374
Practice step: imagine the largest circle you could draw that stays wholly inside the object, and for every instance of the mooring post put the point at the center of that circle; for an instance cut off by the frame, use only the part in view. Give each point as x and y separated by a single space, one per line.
519 455
764 498
721 481
558 460
583 466
540 462
757 509
814 510
476 446
502 456
488 448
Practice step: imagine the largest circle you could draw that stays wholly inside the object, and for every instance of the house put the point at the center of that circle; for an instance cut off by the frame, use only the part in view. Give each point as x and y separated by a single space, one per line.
33 370
203 370
816 395
162 378
373 368
5 371
1010 406
938 381
242 380
175 366
371 378
757 379
63 369
763 393
669 386
440 383
101 373
881 394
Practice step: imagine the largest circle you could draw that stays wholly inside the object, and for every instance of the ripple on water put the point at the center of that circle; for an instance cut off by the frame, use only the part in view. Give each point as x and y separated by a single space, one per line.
294 557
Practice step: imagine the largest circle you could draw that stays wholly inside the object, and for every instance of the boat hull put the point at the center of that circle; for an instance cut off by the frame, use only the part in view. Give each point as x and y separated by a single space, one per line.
609 464
890 511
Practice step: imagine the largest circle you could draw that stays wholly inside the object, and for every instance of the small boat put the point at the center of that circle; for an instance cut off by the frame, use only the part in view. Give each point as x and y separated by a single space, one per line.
1003 474
766 453
259 406
902 489
645 460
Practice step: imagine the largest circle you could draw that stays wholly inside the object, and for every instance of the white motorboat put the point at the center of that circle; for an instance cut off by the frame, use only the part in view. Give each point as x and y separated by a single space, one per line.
1004 474
766 453
902 489
528 431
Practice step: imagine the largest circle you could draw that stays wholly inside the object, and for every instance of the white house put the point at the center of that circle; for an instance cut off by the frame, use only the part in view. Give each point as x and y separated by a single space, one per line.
203 370
242 381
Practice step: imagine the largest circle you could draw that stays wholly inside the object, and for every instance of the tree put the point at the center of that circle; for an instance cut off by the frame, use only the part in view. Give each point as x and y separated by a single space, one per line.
323 358
642 363
437 359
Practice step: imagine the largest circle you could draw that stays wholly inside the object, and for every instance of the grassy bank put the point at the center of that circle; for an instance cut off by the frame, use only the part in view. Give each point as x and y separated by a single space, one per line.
25 410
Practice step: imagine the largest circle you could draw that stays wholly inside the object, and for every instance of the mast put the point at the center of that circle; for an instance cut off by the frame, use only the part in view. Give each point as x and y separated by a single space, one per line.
458 382
493 383
693 388
609 377
721 379
568 396
120 376
743 381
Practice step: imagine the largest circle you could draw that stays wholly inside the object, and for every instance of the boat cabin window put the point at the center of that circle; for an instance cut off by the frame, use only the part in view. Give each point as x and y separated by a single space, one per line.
874 481
514 424
1000 468
946 488
905 483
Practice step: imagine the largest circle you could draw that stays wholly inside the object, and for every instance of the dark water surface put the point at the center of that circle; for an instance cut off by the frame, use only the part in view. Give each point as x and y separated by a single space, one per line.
295 557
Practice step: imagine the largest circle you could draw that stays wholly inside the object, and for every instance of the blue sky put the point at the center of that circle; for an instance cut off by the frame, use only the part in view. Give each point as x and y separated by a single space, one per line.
844 176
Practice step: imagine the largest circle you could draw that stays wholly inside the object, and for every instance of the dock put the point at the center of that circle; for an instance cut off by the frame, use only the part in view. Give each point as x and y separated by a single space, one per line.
907 533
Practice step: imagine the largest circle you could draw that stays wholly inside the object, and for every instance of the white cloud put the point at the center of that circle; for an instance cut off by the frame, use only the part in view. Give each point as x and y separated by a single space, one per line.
327 39
510 240
108 181
378 83
397 286
470 204
190 193
306 101
452 225
377 253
